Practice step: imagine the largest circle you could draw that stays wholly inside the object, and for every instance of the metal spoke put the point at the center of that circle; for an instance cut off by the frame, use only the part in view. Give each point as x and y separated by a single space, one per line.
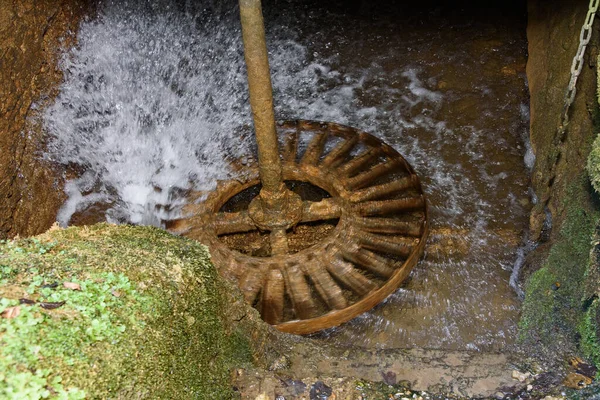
279 242
290 147
370 261
237 222
250 284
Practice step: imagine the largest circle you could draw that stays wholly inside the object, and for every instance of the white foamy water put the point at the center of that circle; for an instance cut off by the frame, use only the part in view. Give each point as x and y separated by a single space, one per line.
155 103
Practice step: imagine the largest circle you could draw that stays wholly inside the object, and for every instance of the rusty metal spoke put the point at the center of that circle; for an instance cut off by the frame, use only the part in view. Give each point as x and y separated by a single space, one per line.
226 223
290 147
314 149
279 242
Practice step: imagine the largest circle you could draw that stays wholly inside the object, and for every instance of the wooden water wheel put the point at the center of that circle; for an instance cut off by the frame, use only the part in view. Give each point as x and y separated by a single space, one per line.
362 228
320 231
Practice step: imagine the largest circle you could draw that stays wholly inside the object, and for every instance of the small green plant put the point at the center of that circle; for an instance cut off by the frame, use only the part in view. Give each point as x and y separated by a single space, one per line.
593 161
62 335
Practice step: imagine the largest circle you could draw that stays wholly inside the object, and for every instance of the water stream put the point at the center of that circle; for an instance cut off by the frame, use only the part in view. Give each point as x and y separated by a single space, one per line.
155 103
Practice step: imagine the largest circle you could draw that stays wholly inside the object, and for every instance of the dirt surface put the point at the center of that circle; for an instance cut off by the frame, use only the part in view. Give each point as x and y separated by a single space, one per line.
33 34
452 374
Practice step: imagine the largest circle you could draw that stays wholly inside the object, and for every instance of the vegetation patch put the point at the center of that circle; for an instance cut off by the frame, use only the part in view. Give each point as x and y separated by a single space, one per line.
554 312
114 312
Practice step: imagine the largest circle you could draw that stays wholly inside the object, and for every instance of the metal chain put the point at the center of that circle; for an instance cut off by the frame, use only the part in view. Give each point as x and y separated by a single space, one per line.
577 65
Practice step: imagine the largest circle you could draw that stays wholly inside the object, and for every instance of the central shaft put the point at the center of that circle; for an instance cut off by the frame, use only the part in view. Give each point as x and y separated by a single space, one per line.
261 100
276 208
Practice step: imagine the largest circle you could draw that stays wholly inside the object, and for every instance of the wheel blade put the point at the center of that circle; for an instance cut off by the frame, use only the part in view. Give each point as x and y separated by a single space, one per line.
329 291
384 190
360 162
323 210
314 149
383 207
336 156
299 292
363 179
350 277
273 297
250 284
390 225
370 261
398 247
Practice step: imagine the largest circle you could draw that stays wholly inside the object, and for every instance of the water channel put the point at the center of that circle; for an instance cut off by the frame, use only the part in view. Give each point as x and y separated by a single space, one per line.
155 103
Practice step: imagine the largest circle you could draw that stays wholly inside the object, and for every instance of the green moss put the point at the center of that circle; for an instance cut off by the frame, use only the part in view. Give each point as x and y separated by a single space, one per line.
553 308
588 328
147 322
593 164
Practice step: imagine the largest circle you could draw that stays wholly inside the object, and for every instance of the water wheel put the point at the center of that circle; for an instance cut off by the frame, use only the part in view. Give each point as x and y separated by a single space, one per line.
320 231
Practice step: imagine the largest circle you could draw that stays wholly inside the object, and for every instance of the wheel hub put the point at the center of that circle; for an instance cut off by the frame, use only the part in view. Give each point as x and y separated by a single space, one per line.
353 225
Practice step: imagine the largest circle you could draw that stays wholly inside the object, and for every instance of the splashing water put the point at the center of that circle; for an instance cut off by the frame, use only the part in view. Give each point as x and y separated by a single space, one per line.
154 104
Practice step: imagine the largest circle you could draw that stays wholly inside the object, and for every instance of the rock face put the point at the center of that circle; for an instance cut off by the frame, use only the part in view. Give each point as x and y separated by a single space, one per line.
120 312
553 34
559 315
32 34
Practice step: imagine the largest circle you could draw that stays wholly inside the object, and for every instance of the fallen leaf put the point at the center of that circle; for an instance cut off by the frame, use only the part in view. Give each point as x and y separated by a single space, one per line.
116 293
576 381
11 312
72 285
51 305
26 301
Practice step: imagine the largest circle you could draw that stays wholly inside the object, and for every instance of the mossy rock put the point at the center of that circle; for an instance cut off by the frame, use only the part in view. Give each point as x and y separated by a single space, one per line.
145 315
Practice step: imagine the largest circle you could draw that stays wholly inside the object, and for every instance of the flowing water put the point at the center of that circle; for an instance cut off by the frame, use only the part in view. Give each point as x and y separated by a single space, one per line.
155 103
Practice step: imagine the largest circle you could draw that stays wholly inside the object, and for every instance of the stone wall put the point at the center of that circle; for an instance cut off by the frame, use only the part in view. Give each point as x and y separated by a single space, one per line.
33 34
553 34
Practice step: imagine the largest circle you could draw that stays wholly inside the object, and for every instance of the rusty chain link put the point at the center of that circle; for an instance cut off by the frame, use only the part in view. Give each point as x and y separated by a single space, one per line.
577 65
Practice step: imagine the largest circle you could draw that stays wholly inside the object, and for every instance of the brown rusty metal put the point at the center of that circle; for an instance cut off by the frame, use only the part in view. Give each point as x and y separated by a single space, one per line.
276 208
261 101
373 226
